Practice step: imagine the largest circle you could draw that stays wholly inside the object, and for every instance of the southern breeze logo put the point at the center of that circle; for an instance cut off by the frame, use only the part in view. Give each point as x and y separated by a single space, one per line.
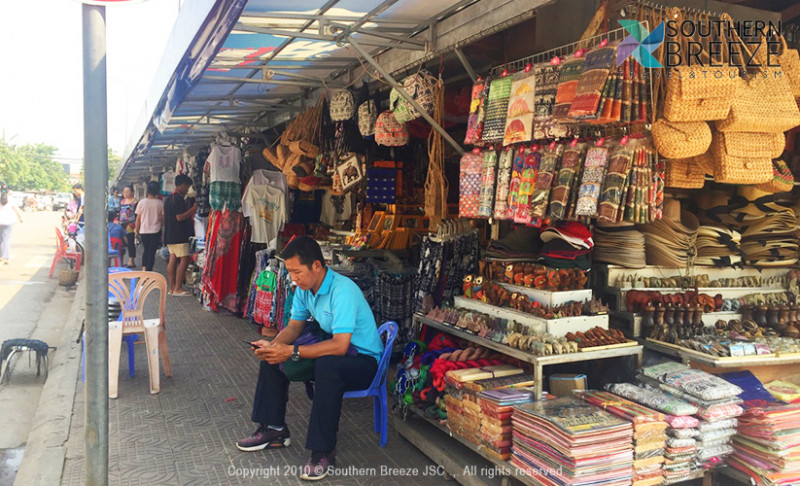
640 43
703 44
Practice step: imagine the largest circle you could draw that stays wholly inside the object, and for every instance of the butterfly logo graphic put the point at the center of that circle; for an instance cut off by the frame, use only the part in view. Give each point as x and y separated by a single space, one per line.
640 43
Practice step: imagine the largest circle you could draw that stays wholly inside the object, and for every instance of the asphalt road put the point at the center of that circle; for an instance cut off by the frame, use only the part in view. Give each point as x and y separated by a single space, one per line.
31 306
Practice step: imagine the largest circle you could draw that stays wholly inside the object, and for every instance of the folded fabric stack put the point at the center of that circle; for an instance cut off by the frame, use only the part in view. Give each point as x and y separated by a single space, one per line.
463 410
497 406
679 454
522 242
649 434
566 441
718 246
718 405
619 245
568 244
767 445
671 241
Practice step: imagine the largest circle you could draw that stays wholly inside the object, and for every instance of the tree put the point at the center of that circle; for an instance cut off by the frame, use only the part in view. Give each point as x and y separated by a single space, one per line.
113 164
31 167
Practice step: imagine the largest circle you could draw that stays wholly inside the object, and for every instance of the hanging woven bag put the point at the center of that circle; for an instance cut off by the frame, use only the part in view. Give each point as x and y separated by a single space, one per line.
733 165
681 140
684 174
787 62
698 93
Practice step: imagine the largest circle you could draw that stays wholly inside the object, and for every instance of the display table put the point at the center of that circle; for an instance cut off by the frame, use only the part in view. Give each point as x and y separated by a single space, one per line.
538 362
766 367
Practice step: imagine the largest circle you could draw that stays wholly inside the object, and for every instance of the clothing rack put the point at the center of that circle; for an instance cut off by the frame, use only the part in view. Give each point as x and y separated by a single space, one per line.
561 52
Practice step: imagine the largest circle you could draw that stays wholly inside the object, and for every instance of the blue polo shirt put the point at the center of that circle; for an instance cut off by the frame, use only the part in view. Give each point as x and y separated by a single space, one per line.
340 307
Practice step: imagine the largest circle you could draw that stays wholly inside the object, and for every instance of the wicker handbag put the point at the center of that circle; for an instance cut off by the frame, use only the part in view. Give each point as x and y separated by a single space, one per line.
342 105
788 60
684 174
681 140
697 93
782 178
732 165
753 144
762 105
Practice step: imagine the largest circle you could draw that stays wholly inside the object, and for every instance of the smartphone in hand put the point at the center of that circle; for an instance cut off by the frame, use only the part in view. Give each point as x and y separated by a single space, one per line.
252 345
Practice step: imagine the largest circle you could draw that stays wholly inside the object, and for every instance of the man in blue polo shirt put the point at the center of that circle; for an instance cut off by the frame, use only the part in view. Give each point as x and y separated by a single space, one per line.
348 361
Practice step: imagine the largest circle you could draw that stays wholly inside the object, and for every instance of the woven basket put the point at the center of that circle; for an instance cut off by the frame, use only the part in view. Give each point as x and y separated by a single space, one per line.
292 181
730 169
681 140
753 144
282 156
782 178
67 277
271 154
306 149
706 163
762 105
788 62
684 174
694 96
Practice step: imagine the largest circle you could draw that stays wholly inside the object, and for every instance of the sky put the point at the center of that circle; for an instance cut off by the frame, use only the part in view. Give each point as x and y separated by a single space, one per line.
41 81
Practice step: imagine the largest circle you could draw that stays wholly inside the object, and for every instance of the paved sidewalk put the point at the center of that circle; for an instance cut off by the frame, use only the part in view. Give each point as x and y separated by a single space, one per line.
186 434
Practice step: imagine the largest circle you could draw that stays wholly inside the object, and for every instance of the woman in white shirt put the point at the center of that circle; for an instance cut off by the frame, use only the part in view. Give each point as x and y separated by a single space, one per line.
9 216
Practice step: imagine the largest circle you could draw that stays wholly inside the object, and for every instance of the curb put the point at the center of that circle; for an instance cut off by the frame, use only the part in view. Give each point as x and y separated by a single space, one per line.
43 459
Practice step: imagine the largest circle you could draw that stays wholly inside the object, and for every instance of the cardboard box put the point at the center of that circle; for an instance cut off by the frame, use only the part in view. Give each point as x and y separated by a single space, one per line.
562 384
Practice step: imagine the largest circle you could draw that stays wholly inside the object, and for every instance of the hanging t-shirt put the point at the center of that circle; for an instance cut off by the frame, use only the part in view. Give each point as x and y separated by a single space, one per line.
223 163
264 205
336 208
168 182
139 191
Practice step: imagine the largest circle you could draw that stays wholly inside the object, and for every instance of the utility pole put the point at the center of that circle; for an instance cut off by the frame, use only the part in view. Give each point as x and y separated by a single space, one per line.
95 149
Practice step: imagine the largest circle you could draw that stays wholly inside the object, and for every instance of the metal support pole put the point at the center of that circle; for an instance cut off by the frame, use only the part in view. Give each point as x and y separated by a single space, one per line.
95 150
389 79
466 64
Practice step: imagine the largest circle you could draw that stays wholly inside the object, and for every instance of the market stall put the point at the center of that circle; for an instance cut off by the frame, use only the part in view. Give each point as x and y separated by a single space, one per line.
592 215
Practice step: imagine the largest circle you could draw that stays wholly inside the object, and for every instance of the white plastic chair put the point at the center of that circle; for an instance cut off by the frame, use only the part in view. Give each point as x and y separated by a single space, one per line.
132 289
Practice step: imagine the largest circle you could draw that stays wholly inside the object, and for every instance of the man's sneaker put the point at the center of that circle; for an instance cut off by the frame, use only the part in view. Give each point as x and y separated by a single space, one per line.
265 438
319 466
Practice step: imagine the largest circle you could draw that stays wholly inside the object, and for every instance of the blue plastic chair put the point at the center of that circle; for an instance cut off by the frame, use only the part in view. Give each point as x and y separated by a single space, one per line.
377 389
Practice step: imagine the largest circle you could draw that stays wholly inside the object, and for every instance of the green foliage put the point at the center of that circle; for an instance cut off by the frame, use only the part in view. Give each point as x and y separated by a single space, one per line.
113 162
31 167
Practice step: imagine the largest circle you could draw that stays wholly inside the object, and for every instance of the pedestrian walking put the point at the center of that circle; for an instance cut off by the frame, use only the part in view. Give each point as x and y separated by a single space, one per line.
9 216
149 221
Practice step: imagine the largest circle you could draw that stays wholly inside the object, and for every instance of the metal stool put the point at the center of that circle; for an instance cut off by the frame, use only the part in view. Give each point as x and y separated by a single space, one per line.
12 346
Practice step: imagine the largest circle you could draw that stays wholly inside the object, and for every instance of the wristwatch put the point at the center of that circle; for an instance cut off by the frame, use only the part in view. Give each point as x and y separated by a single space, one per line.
296 353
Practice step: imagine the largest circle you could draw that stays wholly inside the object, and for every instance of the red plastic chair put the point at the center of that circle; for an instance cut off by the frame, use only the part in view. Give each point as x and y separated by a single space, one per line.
115 251
62 253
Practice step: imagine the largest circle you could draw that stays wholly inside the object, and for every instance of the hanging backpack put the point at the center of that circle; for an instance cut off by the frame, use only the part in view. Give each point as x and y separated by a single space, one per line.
342 105
367 114
420 87
389 132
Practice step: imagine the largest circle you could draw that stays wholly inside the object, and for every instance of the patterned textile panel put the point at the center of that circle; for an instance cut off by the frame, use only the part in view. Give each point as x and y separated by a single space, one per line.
519 120
592 81
497 109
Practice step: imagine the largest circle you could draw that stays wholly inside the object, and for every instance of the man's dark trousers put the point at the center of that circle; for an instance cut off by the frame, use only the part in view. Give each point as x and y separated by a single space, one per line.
333 375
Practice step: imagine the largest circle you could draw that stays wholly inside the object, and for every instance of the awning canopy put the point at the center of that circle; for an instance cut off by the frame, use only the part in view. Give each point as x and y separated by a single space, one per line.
254 64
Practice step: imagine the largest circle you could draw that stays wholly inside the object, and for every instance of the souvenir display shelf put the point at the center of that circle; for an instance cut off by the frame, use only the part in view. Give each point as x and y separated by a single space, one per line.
607 275
558 327
689 356
539 362
547 297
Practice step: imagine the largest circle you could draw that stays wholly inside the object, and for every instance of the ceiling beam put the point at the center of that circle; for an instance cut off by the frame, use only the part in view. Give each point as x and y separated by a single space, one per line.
297 34
226 79
334 18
